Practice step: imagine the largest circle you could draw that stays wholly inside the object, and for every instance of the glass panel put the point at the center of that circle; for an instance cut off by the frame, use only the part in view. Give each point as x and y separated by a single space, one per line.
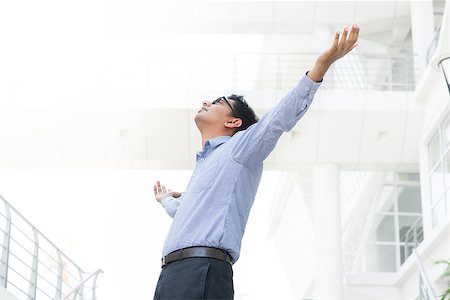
409 176
383 229
436 184
445 131
409 229
381 258
409 200
438 214
434 150
405 252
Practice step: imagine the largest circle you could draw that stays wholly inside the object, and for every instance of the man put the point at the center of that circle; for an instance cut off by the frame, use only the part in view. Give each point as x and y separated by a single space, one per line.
205 237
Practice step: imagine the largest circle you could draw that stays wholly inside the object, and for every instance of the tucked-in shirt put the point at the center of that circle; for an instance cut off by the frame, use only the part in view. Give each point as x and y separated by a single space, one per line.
214 209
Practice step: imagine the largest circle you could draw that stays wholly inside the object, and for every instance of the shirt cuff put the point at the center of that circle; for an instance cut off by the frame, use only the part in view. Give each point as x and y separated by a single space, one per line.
166 200
313 80
308 87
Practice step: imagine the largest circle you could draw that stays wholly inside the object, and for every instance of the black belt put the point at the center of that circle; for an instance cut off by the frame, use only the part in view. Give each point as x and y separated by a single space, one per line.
196 252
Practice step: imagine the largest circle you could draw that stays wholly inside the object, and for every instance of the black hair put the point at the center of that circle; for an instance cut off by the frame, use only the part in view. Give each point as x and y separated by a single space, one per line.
243 111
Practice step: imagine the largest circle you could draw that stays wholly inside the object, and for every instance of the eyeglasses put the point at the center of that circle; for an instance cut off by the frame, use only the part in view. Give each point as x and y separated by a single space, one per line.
228 102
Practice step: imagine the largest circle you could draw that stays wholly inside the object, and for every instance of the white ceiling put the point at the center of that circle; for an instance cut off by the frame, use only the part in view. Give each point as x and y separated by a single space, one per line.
57 123
358 130
256 17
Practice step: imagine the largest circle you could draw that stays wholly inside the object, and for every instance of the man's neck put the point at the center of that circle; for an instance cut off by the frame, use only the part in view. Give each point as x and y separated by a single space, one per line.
210 136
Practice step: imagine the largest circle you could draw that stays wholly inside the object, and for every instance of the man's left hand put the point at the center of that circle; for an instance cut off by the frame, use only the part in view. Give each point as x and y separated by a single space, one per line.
340 47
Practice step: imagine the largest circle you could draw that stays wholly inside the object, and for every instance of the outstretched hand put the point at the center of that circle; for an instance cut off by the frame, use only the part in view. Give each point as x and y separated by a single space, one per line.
161 192
342 44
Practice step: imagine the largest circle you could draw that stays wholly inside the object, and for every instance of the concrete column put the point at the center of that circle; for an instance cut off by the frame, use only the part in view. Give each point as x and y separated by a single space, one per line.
327 233
422 29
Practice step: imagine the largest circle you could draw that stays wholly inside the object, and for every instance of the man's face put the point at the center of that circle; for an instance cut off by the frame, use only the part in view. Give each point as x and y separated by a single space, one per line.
216 112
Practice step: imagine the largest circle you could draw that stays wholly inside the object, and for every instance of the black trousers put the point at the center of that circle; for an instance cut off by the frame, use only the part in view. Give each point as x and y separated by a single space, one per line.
195 278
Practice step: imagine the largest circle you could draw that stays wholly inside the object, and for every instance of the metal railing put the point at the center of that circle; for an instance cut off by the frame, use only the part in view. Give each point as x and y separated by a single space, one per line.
444 65
412 238
354 71
426 291
80 289
33 268
259 71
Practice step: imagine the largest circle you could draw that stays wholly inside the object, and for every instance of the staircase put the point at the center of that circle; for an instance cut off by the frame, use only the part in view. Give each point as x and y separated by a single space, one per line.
426 291
33 268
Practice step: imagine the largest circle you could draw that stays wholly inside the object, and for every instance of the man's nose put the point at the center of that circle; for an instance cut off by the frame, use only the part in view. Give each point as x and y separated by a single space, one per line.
207 103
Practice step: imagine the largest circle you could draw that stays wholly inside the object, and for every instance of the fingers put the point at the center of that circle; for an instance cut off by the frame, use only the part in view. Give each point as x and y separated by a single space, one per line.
348 40
344 37
158 185
336 39
159 188
353 37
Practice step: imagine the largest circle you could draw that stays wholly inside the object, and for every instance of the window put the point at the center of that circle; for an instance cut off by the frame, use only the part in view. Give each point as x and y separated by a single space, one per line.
439 173
397 226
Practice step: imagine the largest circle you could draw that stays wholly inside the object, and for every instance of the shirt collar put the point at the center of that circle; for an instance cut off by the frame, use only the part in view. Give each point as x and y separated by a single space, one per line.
211 145
217 141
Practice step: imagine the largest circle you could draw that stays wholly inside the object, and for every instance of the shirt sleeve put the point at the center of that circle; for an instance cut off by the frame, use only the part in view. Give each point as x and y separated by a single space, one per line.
171 205
256 143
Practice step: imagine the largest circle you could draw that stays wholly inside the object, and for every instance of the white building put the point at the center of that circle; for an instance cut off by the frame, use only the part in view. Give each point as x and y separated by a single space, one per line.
365 176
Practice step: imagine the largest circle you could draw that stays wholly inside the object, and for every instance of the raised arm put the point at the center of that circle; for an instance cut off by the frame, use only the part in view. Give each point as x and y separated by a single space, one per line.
256 143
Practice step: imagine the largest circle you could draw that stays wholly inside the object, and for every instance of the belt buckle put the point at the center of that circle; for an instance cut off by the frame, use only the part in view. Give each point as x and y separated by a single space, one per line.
163 262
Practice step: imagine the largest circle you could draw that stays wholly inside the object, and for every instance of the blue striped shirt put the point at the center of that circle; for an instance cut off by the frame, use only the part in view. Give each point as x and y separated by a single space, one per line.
214 209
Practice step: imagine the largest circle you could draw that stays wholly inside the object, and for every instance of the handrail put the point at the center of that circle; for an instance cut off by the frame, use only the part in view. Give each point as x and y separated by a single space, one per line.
440 64
269 70
413 237
96 273
32 257
40 233
424 276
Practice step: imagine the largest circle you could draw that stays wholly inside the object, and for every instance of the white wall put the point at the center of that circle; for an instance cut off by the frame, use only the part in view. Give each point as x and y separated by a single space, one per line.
5 295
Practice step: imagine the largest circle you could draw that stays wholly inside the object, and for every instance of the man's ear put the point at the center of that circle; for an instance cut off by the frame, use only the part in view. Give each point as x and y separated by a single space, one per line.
233 123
